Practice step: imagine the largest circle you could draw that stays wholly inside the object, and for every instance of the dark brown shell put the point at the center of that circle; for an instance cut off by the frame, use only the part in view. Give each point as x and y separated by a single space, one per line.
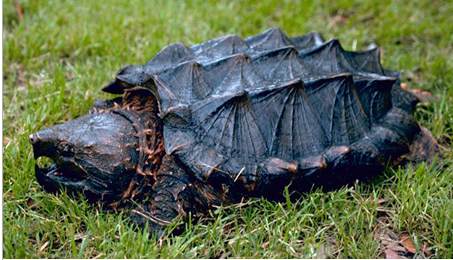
240 111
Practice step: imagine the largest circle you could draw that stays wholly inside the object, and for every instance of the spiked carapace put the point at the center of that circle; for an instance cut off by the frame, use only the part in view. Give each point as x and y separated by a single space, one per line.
230 118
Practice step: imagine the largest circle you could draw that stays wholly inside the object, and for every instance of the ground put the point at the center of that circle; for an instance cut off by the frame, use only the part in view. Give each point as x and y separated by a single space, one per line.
58 54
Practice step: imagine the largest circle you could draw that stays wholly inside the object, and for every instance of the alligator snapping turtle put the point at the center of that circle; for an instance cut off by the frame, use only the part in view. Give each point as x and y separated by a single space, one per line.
230 118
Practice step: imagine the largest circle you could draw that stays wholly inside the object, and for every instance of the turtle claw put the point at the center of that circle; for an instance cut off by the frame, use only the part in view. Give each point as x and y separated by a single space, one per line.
142 218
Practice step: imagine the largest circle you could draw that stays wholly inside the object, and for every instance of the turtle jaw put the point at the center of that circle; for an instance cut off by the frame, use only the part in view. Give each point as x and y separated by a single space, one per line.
53 179
94 155
65 174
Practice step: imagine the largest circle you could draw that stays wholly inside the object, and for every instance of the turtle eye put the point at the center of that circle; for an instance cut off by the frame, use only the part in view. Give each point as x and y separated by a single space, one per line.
65 149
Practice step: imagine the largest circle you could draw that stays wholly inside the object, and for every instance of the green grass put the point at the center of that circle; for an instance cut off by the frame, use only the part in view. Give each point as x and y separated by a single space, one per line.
56 59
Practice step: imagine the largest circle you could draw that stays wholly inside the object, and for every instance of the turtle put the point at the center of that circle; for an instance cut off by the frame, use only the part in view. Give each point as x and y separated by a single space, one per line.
231 118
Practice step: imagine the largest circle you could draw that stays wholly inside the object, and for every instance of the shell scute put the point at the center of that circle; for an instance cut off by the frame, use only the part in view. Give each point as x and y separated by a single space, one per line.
281 65
219 48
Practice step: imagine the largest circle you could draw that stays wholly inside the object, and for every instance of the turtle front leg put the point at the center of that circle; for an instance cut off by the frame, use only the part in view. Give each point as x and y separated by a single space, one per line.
175 194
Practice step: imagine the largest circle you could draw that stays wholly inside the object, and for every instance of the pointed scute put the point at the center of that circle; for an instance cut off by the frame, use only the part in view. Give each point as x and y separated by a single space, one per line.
307 41
113 87
281 65
367 61
219 48
271 39
329 59
339 109
375 95
228 124
183 84
168 57
289 122
127 77
233 74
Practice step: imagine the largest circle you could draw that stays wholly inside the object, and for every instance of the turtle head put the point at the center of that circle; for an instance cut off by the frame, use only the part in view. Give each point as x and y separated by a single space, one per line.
98 154
93 154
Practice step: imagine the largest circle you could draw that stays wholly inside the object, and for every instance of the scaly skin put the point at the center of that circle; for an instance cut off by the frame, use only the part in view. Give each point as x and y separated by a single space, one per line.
176 194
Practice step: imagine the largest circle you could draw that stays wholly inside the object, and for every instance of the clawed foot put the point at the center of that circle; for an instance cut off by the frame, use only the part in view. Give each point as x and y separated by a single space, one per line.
142 217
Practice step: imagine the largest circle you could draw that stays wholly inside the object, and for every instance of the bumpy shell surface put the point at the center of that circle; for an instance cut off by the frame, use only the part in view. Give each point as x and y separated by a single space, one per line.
232 107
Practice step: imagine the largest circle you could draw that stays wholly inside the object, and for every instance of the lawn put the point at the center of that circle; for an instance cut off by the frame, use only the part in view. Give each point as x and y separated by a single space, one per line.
57 55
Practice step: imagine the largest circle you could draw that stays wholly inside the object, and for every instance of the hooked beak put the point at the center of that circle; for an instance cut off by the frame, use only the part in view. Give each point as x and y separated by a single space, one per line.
54 178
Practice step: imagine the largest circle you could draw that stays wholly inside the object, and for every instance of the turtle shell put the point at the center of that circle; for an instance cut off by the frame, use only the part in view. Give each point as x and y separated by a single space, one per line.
260 113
